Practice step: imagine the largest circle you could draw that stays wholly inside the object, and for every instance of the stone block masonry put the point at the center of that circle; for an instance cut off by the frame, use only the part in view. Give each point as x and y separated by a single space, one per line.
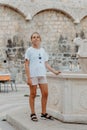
57 21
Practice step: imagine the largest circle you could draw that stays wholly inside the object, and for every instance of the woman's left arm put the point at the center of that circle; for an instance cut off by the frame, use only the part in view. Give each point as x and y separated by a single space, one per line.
51 69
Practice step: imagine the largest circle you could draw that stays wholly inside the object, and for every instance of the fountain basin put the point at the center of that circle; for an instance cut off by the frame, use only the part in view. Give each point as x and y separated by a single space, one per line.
68 97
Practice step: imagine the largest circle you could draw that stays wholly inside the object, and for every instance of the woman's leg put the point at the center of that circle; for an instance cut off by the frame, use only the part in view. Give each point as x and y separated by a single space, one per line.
33 90
44 92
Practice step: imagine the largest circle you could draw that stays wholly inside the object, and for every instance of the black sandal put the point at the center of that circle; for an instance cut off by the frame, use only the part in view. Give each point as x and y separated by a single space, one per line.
46 116
33 117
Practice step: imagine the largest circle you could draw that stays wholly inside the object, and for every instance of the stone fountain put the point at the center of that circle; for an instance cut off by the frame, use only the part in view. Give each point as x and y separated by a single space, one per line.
68 91
82 55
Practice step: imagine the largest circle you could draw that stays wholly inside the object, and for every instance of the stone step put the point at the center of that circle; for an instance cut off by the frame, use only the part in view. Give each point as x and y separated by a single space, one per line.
20 119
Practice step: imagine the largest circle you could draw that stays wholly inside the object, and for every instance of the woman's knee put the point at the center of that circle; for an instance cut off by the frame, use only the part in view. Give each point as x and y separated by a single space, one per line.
45 94
33 91
33 94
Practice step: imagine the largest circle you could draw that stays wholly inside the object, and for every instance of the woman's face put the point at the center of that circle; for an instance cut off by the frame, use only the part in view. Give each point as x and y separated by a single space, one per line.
36 39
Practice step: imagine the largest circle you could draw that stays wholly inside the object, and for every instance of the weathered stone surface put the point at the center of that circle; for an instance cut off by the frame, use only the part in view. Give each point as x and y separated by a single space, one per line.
68 97
57 22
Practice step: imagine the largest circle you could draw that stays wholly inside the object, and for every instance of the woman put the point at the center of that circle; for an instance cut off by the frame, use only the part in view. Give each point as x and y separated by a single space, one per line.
36 62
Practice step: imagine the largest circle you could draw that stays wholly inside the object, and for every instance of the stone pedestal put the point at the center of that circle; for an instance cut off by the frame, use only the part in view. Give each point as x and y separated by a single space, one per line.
83 64
68 97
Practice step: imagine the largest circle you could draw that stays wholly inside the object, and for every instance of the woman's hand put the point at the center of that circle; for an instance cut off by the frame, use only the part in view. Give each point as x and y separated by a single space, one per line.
51 69
57 72
29 82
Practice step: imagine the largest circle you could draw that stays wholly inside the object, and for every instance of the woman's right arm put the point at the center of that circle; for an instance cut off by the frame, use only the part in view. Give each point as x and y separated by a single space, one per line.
27 71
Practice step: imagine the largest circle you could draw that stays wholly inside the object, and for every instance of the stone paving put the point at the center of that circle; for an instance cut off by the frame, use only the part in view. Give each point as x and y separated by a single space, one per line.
11 101
21 120
5 126
14 108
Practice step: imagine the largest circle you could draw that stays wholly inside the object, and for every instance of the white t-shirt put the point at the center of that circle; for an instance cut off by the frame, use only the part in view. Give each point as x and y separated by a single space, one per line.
37 58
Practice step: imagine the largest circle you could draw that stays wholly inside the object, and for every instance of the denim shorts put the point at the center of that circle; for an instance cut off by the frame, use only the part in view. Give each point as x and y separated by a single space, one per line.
39 80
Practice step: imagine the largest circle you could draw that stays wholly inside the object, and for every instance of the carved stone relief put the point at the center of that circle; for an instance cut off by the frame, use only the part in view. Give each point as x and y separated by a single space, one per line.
83 99
55 96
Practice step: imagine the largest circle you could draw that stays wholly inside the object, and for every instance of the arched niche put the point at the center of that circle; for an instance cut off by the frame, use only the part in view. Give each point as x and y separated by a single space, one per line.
13 8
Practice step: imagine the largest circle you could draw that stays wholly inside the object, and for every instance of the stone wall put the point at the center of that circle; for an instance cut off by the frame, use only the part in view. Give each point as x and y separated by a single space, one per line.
57 31
56 21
